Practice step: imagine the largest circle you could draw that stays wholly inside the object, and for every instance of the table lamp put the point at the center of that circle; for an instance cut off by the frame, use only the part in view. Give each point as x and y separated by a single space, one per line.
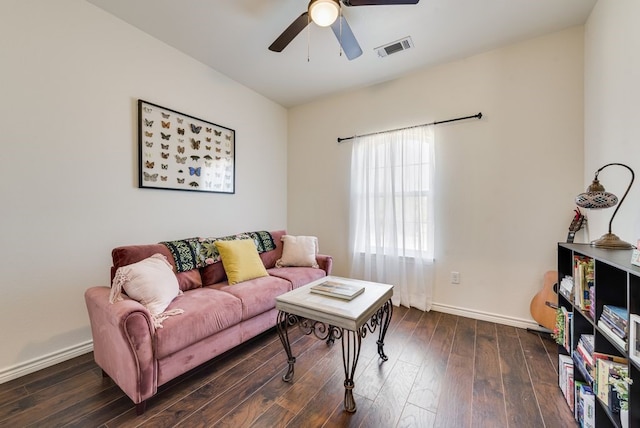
596 197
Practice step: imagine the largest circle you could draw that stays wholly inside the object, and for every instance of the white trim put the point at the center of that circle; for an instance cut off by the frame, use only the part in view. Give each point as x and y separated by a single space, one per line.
487 316
45 361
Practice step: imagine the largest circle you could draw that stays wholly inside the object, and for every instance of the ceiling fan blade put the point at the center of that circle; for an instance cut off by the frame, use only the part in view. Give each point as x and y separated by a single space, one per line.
346 38
290 33
377 2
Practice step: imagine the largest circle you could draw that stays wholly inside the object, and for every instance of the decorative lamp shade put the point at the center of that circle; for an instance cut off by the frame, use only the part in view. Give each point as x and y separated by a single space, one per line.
324 12
596 200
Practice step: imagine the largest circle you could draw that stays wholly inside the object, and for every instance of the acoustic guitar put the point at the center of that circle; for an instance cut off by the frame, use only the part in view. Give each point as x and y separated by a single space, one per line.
543 305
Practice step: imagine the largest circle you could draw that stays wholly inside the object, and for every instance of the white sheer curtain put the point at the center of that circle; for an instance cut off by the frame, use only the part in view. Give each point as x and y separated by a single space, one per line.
391 214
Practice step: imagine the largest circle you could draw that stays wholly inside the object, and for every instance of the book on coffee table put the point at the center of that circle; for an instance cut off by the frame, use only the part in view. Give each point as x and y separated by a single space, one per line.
337 289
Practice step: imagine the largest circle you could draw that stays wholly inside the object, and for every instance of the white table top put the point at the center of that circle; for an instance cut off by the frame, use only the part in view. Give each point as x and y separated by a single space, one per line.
349 314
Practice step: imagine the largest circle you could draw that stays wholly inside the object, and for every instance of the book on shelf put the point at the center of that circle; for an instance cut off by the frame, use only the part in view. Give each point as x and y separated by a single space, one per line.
613 337
566 287
565 378
620 332
617 315
337 289
605 364
585 404
587 341
583 276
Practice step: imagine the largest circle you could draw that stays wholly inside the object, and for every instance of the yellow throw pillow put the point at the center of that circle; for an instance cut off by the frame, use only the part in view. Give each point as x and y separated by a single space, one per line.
240 260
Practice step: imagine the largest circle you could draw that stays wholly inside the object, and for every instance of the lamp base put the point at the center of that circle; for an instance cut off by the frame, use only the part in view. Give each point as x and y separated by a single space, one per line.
610 241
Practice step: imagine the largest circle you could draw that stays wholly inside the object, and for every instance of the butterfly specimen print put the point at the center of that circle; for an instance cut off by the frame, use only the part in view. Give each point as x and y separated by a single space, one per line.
204 151
150 177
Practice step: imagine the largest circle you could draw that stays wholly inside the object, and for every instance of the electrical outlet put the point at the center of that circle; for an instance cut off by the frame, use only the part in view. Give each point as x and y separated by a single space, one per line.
455 277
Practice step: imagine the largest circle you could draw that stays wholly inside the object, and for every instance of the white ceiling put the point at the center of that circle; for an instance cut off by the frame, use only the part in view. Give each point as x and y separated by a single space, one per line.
232 36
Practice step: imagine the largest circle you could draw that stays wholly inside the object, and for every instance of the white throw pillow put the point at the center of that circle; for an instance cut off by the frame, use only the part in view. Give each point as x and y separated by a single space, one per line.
298 251
151 282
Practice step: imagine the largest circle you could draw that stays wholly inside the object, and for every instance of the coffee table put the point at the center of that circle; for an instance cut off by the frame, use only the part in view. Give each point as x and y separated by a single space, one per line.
330 318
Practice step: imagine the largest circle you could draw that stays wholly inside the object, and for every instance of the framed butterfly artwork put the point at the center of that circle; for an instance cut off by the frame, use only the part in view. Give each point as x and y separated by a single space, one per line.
181 152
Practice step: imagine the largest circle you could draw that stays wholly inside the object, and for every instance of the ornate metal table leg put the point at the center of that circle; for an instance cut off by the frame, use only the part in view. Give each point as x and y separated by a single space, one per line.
351 341
284 320
384 314
331 338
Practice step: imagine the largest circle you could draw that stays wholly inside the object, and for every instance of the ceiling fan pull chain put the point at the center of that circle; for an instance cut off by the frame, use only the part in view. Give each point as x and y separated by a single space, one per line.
340 18
308 38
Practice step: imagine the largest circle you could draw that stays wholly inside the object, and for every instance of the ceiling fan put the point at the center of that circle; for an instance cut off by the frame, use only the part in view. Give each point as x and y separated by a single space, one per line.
326 13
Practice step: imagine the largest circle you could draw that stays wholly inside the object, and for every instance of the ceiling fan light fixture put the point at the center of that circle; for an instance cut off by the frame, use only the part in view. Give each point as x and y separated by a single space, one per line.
324 12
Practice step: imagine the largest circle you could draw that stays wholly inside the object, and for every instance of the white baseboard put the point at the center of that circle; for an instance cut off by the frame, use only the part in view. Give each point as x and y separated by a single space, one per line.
487 316
45 361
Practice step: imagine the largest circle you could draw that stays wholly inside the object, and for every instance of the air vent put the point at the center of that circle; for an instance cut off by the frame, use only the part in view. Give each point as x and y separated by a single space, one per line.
395 47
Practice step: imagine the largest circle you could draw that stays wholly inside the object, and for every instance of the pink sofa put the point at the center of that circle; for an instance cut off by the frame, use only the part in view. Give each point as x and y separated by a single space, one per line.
217 317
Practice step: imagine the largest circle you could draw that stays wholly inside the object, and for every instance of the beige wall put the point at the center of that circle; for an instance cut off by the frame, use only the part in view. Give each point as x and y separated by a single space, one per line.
71 75
505 184
612 112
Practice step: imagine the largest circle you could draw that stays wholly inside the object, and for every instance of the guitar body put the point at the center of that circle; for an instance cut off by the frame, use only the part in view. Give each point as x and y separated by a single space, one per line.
543 313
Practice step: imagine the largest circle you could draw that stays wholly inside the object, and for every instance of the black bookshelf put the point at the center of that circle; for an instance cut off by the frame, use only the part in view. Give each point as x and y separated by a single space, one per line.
616 282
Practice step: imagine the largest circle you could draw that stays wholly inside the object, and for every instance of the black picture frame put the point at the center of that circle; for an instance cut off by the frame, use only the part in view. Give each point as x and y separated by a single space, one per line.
182 152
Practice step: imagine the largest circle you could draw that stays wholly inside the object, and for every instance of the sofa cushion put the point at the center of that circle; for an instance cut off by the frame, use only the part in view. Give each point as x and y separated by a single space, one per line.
126 255
298 251
206 312
240 260
258 295
150 281
298 276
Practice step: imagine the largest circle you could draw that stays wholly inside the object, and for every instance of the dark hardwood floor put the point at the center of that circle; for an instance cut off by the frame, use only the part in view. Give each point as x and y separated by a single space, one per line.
443 371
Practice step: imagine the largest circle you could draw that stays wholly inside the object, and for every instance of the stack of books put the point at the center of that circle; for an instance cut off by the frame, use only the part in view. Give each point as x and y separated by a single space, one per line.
563 327
583 357
566 288
565 379
585 406
583 276
613 322
607 369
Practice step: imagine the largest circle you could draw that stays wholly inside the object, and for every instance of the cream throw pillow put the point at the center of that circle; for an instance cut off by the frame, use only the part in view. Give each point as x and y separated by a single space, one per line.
241 260
299 251
151 282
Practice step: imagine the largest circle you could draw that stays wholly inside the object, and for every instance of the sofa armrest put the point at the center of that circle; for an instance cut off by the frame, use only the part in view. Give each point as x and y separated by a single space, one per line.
123 337
325 262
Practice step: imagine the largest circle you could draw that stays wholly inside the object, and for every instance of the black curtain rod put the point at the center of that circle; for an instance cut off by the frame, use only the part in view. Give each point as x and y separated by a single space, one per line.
477 116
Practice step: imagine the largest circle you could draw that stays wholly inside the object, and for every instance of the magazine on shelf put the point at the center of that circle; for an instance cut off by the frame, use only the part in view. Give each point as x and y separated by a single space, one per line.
338 289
